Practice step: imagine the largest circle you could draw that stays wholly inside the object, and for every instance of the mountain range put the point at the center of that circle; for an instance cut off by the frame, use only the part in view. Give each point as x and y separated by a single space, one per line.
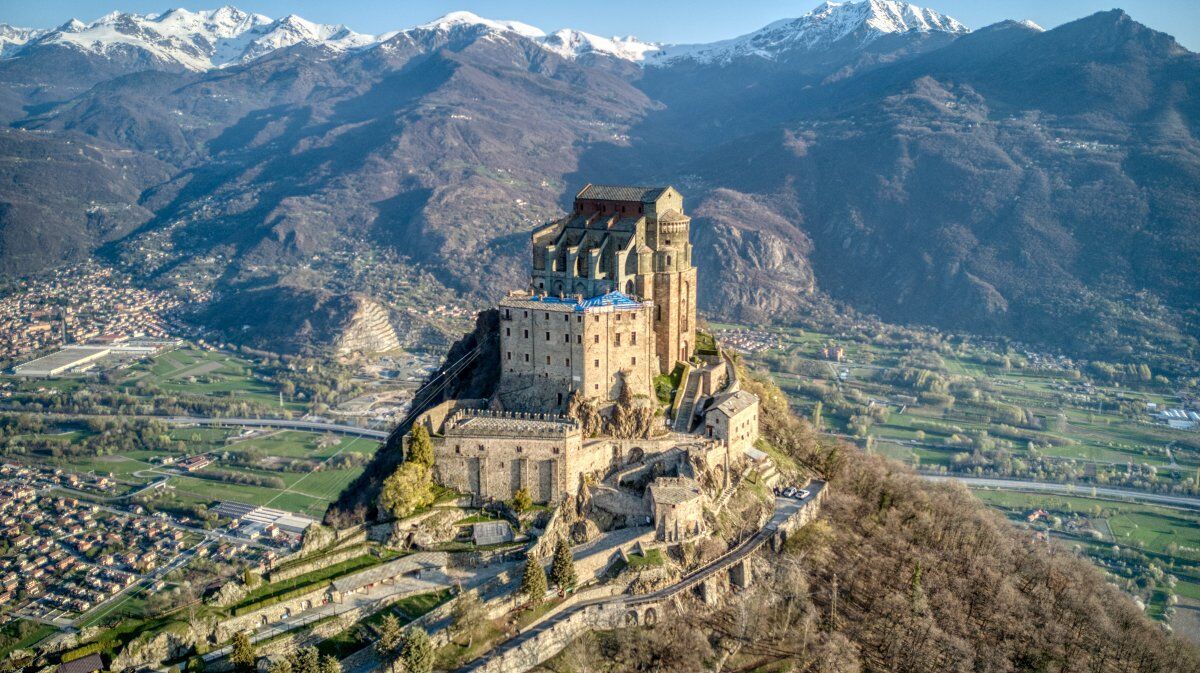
1005 180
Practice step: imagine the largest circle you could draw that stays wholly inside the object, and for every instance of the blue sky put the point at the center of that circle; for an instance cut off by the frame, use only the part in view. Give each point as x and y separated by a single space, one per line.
657 20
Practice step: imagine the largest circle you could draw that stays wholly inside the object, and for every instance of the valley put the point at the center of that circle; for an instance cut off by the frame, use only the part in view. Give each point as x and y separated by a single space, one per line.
863 341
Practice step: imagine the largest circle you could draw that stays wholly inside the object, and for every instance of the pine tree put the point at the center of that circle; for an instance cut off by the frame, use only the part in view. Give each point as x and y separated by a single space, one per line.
522 501
417 653
389 641
562 572
330 664
242 657
420 448
467 616
533 582
307 660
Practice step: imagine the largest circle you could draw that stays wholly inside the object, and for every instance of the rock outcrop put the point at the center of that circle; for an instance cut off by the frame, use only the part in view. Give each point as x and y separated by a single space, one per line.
368 330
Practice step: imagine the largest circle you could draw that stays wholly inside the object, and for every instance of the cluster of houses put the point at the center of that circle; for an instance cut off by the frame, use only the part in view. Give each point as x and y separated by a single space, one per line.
134 544
45 477
37 566
78 304
748 341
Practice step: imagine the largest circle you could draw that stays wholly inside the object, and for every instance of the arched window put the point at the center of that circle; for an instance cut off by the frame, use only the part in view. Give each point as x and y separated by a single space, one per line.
629 287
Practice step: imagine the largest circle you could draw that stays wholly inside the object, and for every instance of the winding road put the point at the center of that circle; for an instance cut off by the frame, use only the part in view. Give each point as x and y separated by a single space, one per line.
784 509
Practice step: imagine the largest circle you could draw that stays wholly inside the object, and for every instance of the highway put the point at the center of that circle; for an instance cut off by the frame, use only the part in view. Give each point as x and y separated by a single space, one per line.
286 423
315 426
1081 490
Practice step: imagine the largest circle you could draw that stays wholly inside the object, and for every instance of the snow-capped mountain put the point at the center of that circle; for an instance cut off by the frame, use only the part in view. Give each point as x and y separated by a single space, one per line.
858 23
208 39
566 42
13 38
196 40
575 43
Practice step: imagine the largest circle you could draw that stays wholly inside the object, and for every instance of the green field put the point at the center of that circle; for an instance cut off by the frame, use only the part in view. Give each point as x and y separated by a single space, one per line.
193 371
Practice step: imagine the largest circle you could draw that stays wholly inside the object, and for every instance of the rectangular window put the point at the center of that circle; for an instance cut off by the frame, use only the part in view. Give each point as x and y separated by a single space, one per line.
547 336
597 363
526 334
635 359
547 359
507 314
567 338
568 362
508 355
578 318
596 339
566 318
633 338
547 316
526 314
618 338
578 338
507 332
527 357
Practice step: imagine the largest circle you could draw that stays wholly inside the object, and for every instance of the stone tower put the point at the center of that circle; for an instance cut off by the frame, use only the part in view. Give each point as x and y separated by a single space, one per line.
672 278
632 240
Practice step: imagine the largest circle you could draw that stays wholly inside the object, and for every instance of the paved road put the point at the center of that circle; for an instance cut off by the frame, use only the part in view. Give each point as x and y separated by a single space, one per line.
1083 490
784 509
317 426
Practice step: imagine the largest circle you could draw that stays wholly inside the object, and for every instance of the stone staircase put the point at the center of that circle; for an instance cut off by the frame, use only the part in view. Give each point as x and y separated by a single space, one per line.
767 474
726 494
687 407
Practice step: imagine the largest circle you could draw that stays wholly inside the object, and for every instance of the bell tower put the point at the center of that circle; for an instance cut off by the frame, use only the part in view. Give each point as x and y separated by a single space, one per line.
673 280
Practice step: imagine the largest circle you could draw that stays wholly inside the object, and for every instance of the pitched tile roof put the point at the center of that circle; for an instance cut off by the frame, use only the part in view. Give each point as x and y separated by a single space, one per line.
88 664
621 193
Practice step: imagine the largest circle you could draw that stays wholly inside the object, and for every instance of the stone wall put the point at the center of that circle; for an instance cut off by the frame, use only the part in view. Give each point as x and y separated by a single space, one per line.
548 350
484 459
271 613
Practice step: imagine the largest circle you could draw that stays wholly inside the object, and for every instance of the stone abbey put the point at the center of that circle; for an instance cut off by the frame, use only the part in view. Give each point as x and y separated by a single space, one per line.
602 394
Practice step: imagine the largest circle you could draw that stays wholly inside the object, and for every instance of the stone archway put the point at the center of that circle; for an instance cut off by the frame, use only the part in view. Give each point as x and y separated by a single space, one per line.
650 617
631 618
636 454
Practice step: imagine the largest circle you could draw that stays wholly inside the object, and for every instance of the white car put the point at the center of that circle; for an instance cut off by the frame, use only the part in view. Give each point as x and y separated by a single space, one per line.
803 494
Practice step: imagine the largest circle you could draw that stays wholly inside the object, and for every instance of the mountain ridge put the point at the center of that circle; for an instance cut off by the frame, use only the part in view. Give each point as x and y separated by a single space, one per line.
208 39
995 180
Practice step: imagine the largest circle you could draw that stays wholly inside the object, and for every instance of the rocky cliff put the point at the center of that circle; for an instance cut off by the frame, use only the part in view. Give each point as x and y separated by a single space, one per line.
368 329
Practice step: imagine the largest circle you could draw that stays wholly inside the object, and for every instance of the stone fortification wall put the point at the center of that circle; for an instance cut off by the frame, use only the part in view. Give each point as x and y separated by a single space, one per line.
326 542
493 454
326 559
271 613
549 350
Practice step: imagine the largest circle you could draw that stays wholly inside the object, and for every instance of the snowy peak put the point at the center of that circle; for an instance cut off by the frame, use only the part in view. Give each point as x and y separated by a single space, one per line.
200 40
455 21
574 43
13 38
858 23
203 40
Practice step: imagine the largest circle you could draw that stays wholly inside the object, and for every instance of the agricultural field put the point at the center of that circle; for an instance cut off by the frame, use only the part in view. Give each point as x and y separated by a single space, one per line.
959 407
192 371
952 406
1152 551
292 470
